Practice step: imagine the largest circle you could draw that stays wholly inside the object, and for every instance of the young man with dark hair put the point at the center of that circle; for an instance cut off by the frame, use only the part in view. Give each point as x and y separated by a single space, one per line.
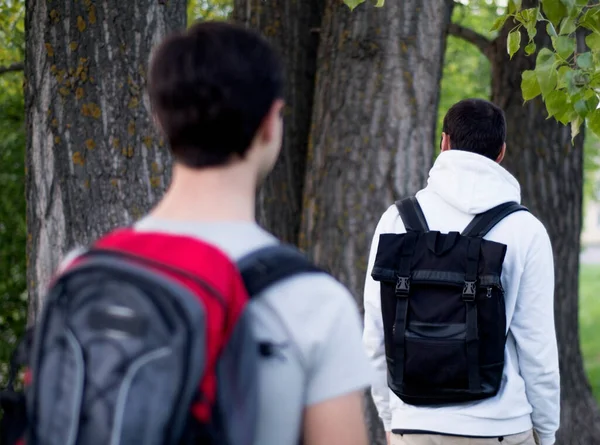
460 326
217 94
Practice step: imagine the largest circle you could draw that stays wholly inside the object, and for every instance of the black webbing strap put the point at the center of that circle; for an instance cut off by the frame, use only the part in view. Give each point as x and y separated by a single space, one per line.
402 290
268 265
469 294
484 222
412 215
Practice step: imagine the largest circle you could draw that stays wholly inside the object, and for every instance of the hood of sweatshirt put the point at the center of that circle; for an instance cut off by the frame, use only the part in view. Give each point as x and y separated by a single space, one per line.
471 183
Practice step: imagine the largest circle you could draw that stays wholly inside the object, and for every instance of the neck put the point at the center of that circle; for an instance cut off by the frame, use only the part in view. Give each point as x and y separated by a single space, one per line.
211 194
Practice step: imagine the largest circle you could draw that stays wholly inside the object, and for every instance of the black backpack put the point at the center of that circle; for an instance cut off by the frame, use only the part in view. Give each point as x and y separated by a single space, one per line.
443 308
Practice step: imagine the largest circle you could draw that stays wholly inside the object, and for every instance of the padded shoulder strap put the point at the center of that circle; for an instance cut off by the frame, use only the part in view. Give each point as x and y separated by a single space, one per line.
412 215
484 222
264 267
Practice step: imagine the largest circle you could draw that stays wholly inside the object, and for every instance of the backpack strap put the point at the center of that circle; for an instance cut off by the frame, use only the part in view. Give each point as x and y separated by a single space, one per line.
484 222
412 215
266 266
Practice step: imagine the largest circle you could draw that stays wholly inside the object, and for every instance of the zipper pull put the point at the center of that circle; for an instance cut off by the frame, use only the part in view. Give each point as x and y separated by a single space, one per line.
489 292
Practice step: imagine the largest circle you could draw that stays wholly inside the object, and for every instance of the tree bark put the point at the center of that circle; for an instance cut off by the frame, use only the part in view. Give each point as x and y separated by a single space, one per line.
373 129
550 170
94 160
292 26
374 119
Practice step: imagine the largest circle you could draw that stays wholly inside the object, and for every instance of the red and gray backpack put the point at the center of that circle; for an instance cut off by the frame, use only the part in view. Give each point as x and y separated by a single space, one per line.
144 339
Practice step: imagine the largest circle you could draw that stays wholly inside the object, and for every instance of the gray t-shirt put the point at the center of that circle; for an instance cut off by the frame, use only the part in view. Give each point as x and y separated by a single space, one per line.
316 324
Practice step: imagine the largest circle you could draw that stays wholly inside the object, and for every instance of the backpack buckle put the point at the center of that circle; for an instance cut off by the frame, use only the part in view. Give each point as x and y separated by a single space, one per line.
402 286
469 291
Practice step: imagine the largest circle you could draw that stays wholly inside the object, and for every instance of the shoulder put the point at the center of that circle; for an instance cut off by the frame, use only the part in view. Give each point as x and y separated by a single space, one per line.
530 229
311 305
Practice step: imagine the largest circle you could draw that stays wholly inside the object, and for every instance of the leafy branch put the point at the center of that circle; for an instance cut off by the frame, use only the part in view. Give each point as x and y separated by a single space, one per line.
17 66
471 36
568 80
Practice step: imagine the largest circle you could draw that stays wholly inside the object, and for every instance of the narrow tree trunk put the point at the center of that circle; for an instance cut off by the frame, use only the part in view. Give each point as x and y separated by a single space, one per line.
93 158
373 128
292 26
550 170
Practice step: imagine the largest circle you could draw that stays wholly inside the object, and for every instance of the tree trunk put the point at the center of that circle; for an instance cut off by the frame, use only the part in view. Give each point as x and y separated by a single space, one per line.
373 128
550 170
292 26
94 160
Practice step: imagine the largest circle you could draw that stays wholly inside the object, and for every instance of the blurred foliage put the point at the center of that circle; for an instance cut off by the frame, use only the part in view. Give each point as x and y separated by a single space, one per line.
466 70
208 10
13 300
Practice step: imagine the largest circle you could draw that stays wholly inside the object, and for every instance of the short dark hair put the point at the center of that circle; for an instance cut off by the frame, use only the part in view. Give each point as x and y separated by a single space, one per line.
476 125
211 88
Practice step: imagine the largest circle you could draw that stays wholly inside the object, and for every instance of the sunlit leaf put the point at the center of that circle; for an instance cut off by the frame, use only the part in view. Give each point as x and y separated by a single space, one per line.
353 3
513 42
585 61
529 85
554 11
499 23
564 46
567 26
593 122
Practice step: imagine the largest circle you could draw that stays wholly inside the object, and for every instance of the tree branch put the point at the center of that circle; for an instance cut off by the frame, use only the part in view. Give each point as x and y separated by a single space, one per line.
468 35
18 66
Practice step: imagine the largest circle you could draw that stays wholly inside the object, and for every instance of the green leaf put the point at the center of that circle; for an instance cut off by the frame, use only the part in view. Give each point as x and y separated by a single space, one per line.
545 57
569 4
576 122
530 48
564 46
499 22
514 6
554 11
593 101
591 20
593 122
563 76
556 102
513 42
529 85
593 41
564 116
581 108
551 30
353 3
379 3
585 61
567 26
547 76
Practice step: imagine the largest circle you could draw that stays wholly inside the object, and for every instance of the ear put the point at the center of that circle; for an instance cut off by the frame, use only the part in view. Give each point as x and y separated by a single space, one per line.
269 127
502 153
445 143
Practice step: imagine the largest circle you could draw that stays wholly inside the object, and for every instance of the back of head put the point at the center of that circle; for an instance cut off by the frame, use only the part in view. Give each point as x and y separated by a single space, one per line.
476 125
210 88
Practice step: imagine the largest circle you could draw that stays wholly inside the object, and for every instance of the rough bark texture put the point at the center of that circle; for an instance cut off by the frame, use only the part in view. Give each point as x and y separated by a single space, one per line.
292 26
93 158
550 171
373 129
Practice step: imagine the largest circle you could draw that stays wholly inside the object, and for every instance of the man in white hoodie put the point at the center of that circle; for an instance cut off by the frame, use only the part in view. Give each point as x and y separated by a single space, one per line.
466 180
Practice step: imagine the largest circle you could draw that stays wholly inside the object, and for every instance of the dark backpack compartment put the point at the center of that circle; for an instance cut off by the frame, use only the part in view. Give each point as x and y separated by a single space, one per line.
443 311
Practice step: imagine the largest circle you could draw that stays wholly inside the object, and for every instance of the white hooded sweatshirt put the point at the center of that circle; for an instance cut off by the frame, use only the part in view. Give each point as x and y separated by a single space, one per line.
461 185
